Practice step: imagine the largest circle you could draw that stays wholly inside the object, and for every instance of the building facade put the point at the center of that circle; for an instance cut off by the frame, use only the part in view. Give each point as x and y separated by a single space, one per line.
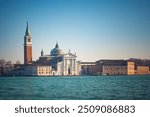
130 68
114 70
6 67
88 68
44 70
33 70
143 70
68 65
62 64
109 67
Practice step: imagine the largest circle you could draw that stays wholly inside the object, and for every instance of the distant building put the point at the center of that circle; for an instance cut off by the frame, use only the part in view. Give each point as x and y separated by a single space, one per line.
109 67
44 70
142 66
6 67
88 68
143 70
114 70
33 70
130 68
124 69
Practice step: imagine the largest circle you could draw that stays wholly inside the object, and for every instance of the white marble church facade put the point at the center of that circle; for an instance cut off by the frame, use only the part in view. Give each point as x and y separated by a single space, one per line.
68 65
61 63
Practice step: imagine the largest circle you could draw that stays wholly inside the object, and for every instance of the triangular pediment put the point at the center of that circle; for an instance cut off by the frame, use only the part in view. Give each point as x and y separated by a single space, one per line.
70 55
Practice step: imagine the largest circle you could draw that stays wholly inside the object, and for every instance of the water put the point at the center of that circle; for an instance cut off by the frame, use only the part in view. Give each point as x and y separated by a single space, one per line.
75 88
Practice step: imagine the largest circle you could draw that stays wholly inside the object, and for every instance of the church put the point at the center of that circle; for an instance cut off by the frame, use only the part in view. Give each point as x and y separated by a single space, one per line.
61 63
55 63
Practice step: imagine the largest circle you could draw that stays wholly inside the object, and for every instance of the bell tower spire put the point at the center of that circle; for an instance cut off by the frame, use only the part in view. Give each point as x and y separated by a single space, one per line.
27 30
27 47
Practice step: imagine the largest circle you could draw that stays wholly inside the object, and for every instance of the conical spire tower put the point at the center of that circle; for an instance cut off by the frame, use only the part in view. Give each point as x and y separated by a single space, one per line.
27 47
27 33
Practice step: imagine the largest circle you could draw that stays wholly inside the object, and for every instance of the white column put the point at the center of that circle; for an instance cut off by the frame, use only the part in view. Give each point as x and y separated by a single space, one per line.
62 66
66 68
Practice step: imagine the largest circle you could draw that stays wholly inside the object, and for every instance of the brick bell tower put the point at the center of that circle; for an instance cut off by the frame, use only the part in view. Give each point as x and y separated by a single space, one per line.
27 47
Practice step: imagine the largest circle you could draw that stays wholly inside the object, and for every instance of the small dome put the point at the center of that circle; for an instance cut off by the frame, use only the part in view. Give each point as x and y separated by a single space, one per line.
56 51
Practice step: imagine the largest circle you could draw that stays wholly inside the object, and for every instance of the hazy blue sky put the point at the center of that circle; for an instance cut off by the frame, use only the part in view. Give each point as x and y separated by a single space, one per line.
94 29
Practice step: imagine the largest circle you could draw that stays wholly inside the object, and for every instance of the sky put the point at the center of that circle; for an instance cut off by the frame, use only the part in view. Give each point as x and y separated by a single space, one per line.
94 29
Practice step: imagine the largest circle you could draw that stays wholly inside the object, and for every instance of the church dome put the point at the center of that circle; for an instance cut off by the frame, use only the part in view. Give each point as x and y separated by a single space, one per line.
56 51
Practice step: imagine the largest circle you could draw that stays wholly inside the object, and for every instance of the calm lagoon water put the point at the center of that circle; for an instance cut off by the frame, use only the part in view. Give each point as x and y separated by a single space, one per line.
75 88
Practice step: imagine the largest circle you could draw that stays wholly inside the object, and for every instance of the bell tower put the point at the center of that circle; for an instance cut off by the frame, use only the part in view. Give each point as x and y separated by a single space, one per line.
27 47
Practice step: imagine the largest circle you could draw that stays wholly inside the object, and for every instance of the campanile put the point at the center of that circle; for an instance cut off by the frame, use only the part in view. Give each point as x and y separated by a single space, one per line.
27 47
